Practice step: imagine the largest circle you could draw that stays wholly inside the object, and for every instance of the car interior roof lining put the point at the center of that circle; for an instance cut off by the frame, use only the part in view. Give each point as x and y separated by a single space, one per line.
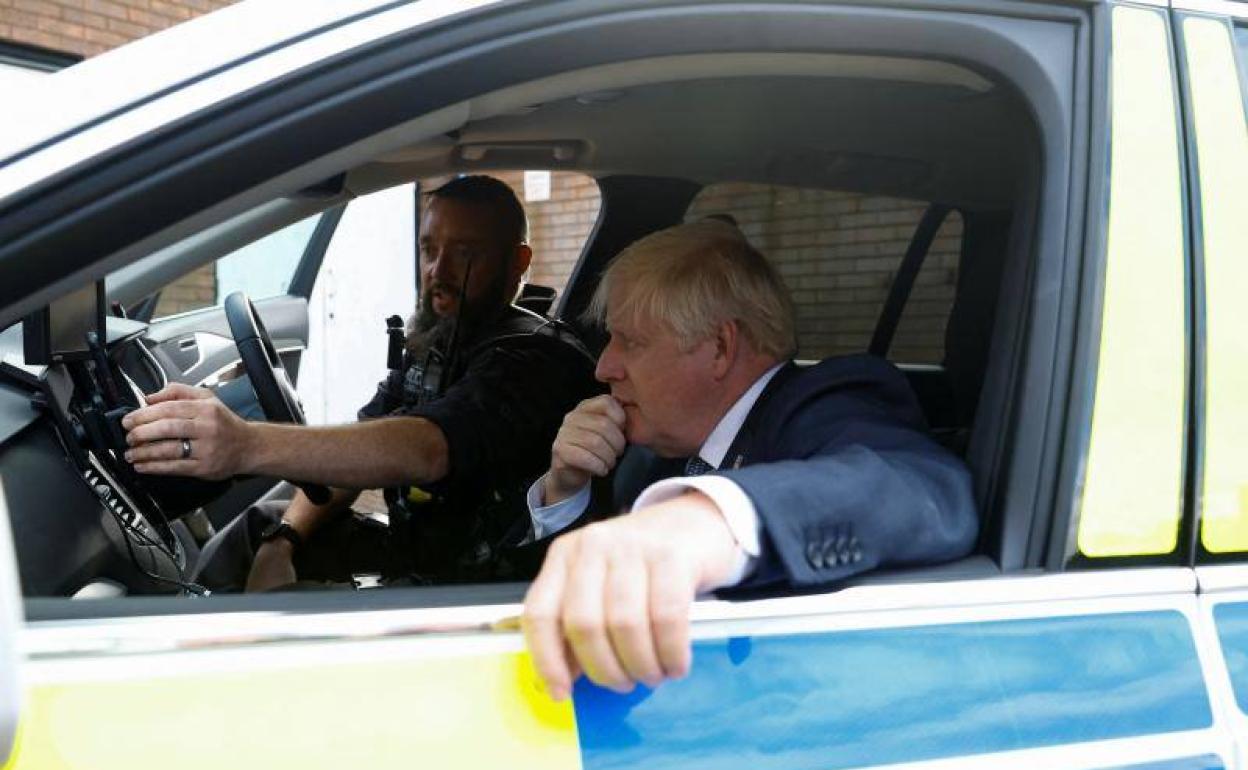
917 128
711 131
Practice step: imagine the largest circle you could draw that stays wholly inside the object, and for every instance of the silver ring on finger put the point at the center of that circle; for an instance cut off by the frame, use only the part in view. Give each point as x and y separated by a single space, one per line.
186 449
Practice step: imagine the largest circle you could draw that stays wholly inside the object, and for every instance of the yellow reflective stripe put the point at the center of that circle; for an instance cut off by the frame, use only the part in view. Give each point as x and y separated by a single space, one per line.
1222 159
484 711
1132 488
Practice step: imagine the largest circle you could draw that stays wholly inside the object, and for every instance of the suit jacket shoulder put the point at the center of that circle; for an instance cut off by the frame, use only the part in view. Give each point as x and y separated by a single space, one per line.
868 380
845 478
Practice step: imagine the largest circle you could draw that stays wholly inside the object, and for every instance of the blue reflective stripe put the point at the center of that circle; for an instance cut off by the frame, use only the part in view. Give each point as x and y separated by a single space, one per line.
1206 762
1231 620
854 698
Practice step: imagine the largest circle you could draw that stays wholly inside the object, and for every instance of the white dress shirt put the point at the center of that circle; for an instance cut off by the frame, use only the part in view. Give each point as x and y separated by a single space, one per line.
736 507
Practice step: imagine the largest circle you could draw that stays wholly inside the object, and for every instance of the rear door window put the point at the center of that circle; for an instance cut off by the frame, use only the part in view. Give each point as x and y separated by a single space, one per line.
839 253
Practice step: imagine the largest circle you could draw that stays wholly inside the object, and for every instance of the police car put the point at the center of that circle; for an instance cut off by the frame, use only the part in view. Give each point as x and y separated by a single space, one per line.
1092 369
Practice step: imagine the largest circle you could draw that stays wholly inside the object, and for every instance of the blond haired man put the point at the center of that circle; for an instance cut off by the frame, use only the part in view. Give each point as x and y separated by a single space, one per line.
815 473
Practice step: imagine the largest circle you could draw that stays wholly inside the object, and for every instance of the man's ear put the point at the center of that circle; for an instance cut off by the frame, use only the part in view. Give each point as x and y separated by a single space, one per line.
727 341
520 261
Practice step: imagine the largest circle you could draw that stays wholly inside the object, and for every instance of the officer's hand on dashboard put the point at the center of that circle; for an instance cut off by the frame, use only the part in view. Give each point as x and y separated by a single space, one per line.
186 431
613 599
589 442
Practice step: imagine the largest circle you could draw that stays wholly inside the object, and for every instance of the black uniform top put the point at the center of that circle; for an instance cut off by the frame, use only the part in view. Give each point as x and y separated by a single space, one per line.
500 409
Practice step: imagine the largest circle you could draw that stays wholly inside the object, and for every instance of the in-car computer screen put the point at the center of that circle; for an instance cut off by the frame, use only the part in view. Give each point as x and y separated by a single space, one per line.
60 330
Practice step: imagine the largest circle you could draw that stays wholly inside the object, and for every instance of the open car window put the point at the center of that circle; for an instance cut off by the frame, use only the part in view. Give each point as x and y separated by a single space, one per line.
838 248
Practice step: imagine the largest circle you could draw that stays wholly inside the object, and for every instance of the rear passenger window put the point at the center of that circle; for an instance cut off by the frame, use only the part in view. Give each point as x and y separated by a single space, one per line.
839 253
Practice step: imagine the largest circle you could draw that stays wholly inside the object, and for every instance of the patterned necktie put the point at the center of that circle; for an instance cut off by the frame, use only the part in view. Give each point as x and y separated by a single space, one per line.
697 466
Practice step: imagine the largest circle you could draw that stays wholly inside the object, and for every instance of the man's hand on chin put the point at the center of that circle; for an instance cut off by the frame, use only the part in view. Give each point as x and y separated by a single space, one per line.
613 599
159 433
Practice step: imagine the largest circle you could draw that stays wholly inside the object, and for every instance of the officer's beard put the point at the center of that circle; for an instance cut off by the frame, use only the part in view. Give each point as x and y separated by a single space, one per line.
427 330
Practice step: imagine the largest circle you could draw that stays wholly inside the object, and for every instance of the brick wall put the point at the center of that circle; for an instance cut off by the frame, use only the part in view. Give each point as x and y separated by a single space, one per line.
90 27
191 292
559 227
838 253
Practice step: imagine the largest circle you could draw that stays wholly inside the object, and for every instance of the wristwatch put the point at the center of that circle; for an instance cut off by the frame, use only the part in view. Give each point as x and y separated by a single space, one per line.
282 528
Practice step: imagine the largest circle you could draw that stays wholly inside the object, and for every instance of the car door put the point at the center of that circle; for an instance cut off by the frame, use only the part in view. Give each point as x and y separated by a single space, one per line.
1214 47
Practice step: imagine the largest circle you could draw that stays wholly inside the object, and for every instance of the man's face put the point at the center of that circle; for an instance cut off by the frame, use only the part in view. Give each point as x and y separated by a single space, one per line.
454 234
667 392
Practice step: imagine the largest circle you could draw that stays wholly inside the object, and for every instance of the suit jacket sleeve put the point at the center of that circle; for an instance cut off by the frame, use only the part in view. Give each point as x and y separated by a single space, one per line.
609 496
849 483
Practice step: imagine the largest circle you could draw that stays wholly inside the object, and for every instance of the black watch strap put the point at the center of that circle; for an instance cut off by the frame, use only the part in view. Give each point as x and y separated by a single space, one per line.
284 530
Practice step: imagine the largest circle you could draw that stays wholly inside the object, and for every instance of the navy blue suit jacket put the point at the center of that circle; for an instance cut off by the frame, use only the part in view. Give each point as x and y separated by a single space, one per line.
837 460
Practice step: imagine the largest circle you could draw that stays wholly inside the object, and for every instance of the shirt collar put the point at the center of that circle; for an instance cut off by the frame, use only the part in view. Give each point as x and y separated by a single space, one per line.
720 441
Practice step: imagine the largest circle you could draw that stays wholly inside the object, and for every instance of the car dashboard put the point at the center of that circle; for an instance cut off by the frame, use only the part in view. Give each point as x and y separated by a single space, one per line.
84 523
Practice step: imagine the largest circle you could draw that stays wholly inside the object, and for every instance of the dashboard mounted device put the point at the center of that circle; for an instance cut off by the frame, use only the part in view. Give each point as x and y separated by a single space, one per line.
86 391
59 331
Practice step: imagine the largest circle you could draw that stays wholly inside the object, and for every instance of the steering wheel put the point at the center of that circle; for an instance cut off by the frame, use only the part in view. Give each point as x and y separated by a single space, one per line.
273 387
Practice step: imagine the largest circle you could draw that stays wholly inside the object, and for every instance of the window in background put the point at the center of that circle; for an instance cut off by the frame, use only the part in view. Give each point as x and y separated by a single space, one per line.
838 252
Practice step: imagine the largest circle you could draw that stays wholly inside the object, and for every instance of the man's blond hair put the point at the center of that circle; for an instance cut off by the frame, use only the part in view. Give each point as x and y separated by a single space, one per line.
696 276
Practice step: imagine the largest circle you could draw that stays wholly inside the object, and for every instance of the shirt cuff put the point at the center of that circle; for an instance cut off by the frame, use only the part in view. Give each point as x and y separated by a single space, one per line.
548 520
734 505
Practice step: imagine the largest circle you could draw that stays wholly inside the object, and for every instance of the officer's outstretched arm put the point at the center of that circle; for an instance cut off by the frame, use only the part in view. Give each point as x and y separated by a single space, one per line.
387 452
375 453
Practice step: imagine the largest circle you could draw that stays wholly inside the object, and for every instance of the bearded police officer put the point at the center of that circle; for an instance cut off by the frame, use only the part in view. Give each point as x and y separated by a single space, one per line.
457 434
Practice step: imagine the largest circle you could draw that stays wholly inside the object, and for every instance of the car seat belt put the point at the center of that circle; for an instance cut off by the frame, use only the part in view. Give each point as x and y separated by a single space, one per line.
911 263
